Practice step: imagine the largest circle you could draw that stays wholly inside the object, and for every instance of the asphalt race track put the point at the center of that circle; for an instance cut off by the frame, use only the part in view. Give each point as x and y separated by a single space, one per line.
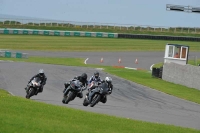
145 59
128 99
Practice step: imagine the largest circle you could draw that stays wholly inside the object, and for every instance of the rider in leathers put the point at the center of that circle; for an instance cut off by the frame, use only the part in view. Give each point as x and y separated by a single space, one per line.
83 80
43 79
95 78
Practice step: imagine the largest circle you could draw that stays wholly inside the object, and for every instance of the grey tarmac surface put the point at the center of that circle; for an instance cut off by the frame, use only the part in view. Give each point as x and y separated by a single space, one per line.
145 59
128 99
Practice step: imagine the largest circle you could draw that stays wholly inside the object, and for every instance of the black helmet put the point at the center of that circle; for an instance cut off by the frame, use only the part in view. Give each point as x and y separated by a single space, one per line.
96 74
84 76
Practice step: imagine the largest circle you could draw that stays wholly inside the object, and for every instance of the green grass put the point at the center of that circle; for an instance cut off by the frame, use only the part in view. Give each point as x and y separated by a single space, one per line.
52 60
140 77
55 43
19 115
110 29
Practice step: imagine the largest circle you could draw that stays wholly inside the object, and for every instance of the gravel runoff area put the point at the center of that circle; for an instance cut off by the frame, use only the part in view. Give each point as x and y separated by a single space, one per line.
128 99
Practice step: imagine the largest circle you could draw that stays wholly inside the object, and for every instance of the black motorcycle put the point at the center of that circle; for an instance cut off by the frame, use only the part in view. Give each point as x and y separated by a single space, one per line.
72 90
97 94
33 87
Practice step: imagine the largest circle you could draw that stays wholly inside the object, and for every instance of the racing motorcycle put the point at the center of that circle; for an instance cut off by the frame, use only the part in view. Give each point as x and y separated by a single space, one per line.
33 87
97 94
71 91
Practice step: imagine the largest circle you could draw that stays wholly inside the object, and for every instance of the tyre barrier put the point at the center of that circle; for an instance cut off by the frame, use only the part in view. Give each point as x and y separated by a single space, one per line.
58 33
8 54
95 34
159 37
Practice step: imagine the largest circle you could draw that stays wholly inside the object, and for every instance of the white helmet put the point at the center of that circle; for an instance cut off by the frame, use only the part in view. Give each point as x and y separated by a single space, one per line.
108 79
41 72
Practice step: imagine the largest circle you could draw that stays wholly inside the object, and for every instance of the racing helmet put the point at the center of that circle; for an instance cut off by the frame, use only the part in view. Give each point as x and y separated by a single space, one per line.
84 76
108 79
96 74
41 72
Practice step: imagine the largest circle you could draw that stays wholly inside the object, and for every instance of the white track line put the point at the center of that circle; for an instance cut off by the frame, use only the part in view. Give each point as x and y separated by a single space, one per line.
151 67
6 61
130 68
86 61
11 93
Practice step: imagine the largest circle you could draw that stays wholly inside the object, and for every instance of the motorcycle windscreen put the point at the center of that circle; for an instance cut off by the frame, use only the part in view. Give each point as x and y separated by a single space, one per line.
104 88
37 79
75 85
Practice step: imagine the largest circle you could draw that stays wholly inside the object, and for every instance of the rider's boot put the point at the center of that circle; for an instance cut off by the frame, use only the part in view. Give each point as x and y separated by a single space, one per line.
104 100
80 95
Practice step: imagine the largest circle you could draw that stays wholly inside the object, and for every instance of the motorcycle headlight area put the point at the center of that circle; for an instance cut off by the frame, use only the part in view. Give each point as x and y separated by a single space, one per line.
72 85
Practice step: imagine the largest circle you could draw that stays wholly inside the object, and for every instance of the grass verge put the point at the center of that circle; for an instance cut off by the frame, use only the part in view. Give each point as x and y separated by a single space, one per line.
58 43
19 115
140 77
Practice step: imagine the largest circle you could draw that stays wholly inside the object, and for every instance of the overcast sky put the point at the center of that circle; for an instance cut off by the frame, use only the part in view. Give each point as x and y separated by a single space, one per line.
139 12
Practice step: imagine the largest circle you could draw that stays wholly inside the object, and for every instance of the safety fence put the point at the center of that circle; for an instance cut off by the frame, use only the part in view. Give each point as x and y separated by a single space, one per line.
96 34
57 33
9 54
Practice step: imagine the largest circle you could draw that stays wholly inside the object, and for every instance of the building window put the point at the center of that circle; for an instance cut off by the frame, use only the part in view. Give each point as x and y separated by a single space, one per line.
170 53
177 51
184 52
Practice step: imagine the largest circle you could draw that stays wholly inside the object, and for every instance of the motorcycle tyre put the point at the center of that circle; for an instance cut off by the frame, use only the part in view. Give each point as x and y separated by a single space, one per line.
30 93
95 100
70 97
85 102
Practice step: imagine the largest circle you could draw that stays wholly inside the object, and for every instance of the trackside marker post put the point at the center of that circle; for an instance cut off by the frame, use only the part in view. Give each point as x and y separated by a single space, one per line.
119 61
136 61
101 60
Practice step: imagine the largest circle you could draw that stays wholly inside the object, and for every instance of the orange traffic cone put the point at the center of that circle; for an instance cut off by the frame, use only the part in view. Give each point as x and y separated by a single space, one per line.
136 61
101 60
119 61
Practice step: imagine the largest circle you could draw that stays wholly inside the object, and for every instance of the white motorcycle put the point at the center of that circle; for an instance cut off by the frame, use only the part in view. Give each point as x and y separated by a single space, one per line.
33 87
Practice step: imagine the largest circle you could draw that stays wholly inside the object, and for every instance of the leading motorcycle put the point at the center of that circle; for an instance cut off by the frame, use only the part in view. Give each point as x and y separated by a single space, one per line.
33 87
97 94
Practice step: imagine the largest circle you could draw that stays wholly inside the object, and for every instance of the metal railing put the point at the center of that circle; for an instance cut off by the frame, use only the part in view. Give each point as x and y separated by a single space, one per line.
94 25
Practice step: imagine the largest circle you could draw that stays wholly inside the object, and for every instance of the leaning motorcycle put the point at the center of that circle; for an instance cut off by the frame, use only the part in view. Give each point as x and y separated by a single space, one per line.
33 87
71 91
97 94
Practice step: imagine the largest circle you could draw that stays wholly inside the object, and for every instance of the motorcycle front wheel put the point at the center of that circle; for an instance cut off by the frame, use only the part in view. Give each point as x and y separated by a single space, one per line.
85 102
68 97
30 93
96 98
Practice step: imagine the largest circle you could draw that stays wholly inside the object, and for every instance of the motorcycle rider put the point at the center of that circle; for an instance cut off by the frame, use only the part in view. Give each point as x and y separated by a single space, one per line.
83 80
95 78
43 79
107 80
